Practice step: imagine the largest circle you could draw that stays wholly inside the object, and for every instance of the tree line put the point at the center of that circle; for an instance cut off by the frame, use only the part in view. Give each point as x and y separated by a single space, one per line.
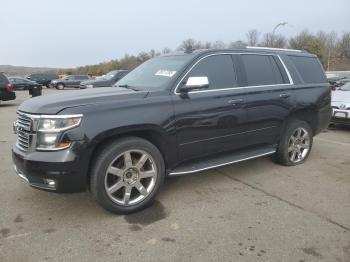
332 49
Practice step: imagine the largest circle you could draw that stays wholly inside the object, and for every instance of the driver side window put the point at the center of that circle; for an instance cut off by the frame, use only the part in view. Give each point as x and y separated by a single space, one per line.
219 70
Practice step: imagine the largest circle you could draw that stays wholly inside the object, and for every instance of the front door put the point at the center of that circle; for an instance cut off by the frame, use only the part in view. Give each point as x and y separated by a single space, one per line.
210 120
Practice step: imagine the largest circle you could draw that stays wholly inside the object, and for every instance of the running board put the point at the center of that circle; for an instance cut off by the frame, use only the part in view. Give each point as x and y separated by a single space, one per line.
220 160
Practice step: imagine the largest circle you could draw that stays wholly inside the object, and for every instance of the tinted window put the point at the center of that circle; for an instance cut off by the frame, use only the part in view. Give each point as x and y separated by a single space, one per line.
219 70
81 77
261 70
309 69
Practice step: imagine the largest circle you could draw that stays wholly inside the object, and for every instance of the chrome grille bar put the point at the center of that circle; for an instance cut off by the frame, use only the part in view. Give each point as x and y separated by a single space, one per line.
24 127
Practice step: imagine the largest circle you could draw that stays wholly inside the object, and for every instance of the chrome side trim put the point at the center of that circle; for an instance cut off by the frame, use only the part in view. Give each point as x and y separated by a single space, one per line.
224 164
235 134
237 87
287 71
273 48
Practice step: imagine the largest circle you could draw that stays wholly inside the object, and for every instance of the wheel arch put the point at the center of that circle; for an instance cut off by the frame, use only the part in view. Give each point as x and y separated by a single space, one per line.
307 114
152 133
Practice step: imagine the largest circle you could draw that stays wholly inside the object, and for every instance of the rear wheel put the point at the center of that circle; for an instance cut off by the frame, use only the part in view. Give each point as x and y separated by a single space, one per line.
295 144
127 175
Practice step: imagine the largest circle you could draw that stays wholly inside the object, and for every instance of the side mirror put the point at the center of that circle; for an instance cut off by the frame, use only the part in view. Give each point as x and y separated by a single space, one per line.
195 82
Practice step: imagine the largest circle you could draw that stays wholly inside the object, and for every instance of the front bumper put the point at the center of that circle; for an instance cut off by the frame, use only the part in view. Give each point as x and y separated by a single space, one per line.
61 171
341 117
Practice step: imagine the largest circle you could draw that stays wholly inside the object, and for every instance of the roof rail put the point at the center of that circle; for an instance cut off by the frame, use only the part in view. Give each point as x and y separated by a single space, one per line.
272 48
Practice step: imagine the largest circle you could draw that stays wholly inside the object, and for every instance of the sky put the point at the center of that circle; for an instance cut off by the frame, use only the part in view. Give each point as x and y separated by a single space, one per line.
79 32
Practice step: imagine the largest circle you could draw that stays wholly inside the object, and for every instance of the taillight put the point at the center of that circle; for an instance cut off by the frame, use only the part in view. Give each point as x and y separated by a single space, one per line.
9 87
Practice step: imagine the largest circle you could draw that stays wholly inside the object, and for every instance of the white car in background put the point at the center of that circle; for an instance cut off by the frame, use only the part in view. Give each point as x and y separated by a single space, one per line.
341 105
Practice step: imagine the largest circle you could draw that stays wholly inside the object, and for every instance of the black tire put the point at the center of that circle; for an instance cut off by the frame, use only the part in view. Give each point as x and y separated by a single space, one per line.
283 156
60 86
102 162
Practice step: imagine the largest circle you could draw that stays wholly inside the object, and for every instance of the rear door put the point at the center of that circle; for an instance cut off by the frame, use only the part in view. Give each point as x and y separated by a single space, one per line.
210 120
270 96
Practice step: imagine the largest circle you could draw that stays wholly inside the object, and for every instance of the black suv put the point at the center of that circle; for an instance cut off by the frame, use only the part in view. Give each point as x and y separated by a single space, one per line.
6 89
69 81
106 80
42 79
173 115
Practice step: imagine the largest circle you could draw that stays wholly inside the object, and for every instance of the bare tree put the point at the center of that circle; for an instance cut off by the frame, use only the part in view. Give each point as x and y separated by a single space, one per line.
344 46
166 50
218 45
187 45
271 40
252 37
237 44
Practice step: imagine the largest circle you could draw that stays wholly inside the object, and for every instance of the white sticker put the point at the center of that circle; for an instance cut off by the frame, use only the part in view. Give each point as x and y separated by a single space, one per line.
167 73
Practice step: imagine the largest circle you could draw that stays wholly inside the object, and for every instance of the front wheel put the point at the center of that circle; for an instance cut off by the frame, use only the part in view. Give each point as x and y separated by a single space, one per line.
296 143
127 175
60 86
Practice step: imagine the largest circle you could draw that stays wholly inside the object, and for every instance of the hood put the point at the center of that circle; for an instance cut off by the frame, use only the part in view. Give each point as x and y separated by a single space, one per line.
52 104
341 96
99 82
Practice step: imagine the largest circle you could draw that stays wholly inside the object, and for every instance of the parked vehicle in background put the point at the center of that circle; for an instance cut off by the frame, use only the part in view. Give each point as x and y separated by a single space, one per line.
106 80
342 81
333 82
72 81
6 89
43 78
20 83
341 105
175 114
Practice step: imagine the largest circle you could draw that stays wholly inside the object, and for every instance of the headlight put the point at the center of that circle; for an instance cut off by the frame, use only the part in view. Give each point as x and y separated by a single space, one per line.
50 129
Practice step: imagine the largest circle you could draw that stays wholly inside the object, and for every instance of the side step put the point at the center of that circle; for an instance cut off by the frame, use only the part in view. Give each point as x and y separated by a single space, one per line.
220 160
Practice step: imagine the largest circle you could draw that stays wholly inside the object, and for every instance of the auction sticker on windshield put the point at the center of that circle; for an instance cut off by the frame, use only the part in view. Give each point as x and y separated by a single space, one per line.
167 73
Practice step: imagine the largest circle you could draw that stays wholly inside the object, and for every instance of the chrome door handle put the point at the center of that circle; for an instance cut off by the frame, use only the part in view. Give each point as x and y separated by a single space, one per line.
235 101
284 95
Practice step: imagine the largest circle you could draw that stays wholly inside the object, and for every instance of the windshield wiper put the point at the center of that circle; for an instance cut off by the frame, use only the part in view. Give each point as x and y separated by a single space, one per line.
128 87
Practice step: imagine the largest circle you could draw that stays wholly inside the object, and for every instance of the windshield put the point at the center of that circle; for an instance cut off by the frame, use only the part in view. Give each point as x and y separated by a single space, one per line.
155 73
345 87
109 75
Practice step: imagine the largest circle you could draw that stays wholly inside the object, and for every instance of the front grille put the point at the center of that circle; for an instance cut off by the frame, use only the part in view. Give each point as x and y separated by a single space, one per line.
24 131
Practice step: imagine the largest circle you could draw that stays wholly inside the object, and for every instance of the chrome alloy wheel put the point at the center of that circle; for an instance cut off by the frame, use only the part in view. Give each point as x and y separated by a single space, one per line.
298 145
130 177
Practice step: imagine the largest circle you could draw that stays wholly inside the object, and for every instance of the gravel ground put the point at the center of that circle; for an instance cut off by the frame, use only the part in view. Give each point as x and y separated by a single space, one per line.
251 211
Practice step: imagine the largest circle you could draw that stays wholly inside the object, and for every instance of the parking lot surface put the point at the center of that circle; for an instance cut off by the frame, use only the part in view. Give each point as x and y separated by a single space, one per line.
251 211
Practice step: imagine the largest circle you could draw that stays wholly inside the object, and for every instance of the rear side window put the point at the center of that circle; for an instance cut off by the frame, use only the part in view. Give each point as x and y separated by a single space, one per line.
309 69
81 77
3 79
261 70
219 70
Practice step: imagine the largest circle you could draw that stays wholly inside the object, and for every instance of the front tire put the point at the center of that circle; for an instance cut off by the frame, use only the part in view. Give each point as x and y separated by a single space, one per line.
60 86
295 144
127 175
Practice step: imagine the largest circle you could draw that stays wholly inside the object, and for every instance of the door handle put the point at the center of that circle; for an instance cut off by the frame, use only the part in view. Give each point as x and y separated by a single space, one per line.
235 101
284 95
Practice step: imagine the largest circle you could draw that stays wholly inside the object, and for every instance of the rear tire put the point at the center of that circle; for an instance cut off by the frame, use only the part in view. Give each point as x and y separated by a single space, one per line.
295 144
127 175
